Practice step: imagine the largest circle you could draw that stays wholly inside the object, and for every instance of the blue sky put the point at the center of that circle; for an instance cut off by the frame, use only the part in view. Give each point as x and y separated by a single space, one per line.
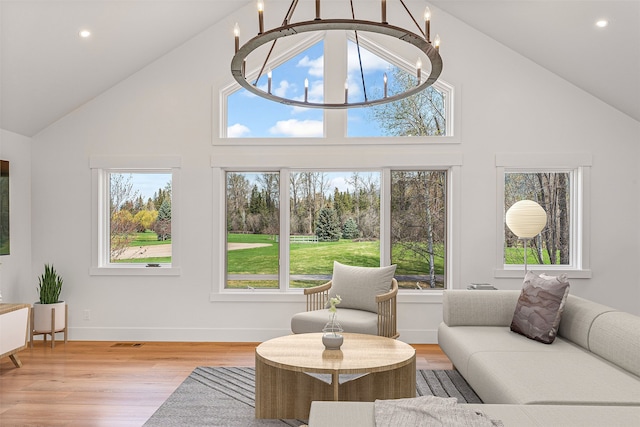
253 116
148 183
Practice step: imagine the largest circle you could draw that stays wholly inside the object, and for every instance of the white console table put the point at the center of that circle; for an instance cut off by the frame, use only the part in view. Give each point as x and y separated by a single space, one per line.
14 330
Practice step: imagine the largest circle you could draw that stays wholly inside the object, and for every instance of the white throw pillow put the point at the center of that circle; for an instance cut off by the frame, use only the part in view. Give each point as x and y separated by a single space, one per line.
358 286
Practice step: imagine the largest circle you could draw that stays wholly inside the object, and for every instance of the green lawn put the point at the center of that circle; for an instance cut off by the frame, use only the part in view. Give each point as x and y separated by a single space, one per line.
314 258
516 256
148 238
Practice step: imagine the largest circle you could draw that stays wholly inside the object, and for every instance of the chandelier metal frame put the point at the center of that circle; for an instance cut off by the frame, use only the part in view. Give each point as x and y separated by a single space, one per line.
420 41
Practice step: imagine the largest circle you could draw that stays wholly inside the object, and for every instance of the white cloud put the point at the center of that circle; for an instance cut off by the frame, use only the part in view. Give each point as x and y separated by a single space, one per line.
237 131
281 90
315 66
340 183
316 91
297 128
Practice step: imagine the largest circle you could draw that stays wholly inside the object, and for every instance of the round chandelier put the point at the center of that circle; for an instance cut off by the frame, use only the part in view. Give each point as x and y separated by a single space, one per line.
422 41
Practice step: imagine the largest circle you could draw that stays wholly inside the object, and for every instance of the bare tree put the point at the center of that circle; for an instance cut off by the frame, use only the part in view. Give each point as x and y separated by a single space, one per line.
121 225
422 114
237 201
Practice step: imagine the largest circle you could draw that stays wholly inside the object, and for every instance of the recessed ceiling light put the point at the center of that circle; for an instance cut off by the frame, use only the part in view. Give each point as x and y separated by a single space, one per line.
84 33
602 23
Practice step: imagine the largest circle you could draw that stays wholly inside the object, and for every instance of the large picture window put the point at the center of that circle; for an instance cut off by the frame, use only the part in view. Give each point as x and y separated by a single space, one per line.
253 229
334 216
418 228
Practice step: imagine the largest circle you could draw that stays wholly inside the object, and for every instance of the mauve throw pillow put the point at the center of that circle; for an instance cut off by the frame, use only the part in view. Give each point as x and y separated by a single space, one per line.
358 286
539 309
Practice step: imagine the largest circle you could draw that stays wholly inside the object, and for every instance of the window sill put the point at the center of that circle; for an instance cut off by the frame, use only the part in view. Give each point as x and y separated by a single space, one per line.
275 295
135 271
518 273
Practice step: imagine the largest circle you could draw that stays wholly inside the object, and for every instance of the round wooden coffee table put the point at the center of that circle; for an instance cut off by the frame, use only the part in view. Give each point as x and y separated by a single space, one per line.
284 388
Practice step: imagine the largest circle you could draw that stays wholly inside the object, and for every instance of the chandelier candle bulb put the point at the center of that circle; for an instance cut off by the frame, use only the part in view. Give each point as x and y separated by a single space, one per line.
306 89
427 24
427 50
384 12
260 17
419 69
436 43
384 77
236 36
346 91
269 75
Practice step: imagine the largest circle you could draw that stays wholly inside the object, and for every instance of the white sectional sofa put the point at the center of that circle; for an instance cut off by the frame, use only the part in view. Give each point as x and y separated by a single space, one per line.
595 360
589 376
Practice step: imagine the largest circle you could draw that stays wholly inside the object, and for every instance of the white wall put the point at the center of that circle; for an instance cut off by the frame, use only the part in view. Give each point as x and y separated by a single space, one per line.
505 103
16 279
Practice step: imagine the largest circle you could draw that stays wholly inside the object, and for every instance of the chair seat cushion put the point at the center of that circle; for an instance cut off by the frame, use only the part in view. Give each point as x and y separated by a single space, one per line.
354 321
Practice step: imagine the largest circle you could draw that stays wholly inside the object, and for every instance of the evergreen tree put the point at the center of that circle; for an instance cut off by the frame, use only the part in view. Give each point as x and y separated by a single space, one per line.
162 226
350 229
328 226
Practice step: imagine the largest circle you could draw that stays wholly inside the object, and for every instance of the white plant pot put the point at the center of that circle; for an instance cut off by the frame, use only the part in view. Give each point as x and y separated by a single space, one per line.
42 317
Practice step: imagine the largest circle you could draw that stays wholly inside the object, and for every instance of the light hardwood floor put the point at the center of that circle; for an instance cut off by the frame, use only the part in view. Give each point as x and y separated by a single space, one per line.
115 384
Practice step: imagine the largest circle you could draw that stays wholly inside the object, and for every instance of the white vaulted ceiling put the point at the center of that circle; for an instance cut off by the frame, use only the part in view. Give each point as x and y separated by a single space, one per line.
47 71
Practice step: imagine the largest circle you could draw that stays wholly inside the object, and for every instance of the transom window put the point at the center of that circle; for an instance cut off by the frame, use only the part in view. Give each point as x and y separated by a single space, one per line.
300 73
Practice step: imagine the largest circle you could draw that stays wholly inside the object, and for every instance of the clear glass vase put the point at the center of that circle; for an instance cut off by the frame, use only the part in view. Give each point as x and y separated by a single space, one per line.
332 333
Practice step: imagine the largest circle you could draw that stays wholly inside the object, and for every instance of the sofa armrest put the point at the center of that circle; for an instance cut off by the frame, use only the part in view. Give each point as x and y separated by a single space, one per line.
478 308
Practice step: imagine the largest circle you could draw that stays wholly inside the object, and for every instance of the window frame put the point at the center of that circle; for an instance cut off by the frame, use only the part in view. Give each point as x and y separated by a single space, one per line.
579 166
271 160
101 167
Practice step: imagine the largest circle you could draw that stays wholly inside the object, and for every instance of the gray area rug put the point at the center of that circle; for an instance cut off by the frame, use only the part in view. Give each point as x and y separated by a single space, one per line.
225 397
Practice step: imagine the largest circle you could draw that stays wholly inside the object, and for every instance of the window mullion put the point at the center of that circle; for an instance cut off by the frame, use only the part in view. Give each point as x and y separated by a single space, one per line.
285 226
385 218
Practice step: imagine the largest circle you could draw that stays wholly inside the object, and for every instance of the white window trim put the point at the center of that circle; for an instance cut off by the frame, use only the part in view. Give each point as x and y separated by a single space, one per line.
238 159
579 164
100 166
336 44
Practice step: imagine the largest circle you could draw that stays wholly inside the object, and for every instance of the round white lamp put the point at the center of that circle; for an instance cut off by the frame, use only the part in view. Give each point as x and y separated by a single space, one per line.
526 219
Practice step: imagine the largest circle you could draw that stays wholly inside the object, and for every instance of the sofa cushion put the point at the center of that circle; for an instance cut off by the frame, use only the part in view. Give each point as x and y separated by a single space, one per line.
539 308
355 321
359 286
362 414
578 317
549 377
615 336
460 343
478 308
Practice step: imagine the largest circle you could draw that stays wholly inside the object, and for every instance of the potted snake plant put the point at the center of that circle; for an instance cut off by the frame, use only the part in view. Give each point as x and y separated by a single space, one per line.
49 313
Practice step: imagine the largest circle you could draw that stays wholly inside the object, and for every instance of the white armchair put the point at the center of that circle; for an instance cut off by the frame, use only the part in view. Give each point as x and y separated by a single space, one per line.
368 302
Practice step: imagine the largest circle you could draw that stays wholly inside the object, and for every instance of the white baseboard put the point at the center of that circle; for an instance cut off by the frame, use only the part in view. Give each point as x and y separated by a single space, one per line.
413 336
